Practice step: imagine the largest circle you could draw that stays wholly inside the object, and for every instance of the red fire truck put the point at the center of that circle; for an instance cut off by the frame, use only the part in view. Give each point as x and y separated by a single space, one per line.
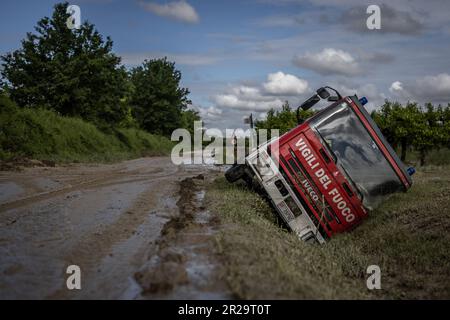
325 175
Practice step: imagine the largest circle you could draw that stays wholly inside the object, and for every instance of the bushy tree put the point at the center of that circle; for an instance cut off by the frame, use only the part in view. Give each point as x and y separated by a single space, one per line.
188 117
400 125
158 101
283 120
412 127
71 71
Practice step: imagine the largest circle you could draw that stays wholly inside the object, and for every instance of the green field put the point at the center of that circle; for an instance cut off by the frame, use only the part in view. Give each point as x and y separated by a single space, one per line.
45 135
407 237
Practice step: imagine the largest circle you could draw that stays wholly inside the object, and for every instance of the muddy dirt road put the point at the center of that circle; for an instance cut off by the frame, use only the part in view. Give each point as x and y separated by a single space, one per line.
136 229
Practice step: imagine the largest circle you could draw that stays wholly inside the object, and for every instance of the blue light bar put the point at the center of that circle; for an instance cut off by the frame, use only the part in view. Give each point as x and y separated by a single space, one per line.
363 100
411 170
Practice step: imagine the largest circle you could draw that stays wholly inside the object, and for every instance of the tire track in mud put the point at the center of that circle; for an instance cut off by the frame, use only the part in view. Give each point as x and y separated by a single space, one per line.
103 181
111 224
94 247
186 265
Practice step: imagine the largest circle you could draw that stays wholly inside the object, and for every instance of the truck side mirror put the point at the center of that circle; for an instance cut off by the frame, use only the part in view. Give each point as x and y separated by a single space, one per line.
310 102
323 93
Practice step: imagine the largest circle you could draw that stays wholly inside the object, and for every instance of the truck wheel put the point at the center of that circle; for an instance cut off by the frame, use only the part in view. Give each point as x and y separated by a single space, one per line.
235 173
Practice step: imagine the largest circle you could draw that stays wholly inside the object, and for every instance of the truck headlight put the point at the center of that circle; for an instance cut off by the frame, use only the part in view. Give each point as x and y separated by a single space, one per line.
263 167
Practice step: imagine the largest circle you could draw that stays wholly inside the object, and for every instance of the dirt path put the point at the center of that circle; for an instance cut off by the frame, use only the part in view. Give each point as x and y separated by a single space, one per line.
107 219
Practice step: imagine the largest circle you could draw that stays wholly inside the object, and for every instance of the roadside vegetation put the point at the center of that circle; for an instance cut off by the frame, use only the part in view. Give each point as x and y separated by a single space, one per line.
407 237
74 100
44 135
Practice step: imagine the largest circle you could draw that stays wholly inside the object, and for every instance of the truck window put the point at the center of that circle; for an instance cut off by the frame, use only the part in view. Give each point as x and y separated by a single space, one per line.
355 152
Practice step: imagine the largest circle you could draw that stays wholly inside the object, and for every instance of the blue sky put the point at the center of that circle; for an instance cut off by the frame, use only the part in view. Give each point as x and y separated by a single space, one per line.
246 56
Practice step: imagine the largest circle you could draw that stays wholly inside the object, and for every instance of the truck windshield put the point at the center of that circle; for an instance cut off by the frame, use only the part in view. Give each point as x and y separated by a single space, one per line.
356 153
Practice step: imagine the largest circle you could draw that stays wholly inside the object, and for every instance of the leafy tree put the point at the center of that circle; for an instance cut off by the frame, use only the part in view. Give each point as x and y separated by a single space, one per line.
73 72
444 119
420 128
158 100
400 125
187 120
427 132
283 120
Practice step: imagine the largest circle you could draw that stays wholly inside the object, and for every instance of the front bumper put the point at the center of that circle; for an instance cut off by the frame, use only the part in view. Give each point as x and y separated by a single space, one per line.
283 198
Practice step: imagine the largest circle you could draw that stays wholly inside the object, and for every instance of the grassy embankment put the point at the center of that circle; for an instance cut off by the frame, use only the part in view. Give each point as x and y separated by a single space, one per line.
407 237
45 135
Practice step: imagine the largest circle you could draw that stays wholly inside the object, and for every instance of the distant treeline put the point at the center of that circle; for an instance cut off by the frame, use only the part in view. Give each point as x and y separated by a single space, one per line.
409 127
75 73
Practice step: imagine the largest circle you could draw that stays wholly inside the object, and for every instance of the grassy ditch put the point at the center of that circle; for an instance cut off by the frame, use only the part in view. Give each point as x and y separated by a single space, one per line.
407 237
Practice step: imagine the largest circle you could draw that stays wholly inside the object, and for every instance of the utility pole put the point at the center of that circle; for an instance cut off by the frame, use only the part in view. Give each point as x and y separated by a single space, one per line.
249 120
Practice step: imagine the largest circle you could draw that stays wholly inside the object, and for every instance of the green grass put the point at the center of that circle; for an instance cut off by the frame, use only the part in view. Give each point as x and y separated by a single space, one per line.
44 135
407 237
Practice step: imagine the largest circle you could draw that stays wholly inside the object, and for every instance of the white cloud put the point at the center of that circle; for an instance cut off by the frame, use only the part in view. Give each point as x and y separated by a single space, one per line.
329 61
211 113
431 88
272 93
177 10
248 93
233 101
280 83
396 86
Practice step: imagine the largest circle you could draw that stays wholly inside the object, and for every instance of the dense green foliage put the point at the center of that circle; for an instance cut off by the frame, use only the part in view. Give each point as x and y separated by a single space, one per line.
45 135
158 101
72 72
412 127
73 100
75 73
283 120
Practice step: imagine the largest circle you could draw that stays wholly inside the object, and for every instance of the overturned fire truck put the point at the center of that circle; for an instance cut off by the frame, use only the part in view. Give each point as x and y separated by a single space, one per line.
325 175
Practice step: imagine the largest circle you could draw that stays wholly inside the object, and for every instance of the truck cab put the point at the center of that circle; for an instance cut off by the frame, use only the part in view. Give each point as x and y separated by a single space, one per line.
324 176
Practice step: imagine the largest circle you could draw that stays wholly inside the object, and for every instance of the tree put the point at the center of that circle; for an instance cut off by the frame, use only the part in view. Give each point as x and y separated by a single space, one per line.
158 100
188 118
445 125
427 135
73 72
400 125
283 120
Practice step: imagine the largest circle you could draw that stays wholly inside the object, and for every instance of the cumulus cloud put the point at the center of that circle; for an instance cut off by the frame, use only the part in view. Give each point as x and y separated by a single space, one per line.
261 97
396 86
177 10
279 83
210 113
329 61
241 102
431 88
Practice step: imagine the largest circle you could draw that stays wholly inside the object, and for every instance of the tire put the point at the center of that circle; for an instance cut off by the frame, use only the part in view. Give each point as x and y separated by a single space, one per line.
235 173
